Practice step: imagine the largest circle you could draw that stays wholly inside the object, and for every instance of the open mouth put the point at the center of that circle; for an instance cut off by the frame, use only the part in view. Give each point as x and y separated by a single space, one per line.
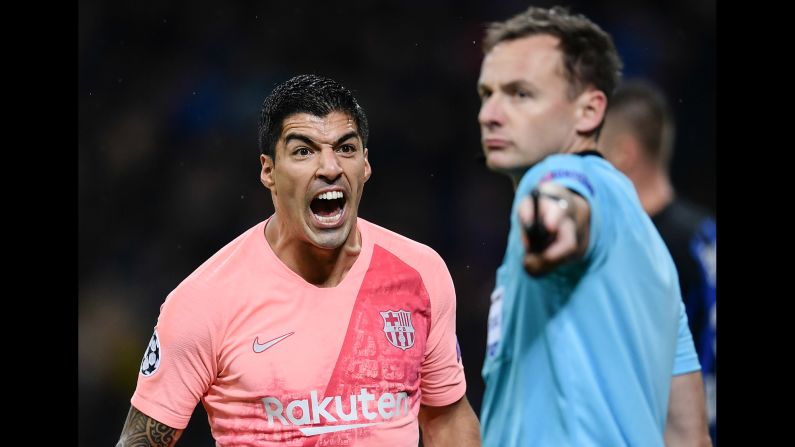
328 207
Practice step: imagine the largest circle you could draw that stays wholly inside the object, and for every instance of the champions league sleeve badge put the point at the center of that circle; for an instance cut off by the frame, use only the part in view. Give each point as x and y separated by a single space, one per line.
151 360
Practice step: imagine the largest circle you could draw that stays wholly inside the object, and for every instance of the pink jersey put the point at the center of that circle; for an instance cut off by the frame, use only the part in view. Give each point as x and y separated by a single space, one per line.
278 361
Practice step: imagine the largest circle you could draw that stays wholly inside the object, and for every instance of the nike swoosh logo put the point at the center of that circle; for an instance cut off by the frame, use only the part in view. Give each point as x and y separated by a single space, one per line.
314 431
261 347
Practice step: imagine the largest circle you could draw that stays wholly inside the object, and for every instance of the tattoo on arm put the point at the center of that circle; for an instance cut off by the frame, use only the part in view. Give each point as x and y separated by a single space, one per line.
142 431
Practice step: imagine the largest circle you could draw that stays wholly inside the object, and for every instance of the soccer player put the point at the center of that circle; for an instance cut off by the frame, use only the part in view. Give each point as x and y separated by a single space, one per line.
314 327
587 334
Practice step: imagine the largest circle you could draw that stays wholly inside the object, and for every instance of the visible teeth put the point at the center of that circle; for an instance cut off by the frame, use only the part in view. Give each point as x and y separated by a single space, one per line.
329 219
331 195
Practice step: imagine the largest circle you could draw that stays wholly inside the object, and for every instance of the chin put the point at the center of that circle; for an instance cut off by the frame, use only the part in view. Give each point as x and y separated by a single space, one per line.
332 238
500 166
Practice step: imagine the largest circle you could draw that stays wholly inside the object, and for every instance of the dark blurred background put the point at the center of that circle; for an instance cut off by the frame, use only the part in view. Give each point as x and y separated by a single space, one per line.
169 96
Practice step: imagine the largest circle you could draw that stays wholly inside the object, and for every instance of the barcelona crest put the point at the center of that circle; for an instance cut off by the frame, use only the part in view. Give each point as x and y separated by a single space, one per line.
398 328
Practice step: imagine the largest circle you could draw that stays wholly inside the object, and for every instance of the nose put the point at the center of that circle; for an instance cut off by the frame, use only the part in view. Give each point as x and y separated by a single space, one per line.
329 168
491 114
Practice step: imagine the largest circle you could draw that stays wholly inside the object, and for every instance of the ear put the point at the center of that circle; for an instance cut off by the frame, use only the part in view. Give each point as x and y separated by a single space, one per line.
368 171
266 175
591 106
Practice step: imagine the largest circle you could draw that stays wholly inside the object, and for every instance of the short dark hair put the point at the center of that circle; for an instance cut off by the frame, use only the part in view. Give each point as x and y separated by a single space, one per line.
306 93
643 109
589 55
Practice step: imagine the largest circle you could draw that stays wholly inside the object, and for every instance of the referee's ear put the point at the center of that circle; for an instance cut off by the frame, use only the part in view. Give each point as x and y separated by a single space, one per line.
590 108
266 174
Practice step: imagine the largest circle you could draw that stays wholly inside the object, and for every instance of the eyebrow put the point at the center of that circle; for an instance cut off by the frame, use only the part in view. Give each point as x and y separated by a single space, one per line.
513 85
311 142
509 86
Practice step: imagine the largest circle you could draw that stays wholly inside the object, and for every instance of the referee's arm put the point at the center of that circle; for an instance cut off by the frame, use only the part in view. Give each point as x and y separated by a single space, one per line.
686 424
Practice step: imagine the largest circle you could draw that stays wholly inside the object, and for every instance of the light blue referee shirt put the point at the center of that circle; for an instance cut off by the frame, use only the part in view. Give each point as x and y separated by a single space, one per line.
585 355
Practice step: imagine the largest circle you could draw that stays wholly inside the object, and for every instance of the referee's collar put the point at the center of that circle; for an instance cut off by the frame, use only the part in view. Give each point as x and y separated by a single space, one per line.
589 152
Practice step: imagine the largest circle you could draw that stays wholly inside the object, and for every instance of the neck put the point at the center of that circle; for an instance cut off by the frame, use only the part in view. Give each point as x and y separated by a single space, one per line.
654 190
318 266
580 144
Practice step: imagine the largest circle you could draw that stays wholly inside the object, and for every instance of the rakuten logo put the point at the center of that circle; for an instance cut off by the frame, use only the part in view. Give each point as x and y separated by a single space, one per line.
387 406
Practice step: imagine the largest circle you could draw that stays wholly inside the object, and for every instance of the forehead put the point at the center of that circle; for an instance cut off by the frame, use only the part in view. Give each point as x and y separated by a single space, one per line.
319 128
533 58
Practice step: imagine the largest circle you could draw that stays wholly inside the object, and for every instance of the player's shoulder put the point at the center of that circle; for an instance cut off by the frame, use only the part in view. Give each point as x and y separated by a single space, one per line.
227 265
194 294
690 210
407 249
232 257
687 218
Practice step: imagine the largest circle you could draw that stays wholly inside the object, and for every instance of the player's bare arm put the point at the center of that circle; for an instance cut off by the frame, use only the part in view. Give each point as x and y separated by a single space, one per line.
452 425
566 216
142 431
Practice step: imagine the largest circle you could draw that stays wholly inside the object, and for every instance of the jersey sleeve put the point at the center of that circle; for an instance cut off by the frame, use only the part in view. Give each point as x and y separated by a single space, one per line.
179 363
571 172
443 381
686 360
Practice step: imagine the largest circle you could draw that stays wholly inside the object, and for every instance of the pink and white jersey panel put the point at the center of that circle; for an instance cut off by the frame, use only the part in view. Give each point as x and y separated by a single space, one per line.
278 361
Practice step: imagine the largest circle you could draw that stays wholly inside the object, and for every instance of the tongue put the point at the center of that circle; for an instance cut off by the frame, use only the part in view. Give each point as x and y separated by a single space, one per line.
325 208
